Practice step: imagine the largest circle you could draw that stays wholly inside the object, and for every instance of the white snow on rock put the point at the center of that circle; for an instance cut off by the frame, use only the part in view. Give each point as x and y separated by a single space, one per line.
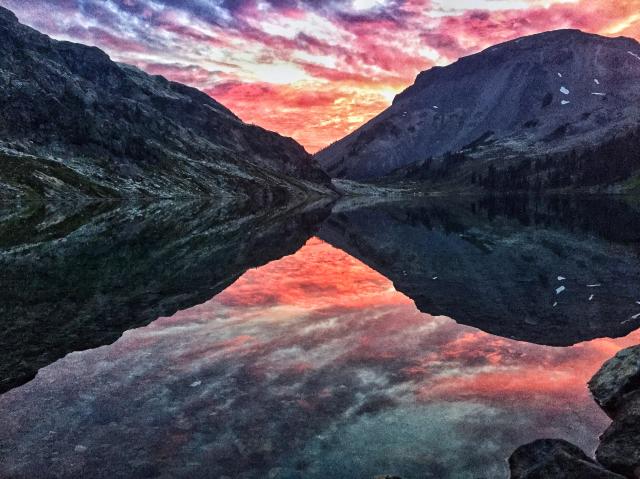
635 316
634 54
561 289
565 102
436 107
561 278
196 384
591 297
560 74
555 304
596 285
80 448
598 93
564 90
596 81
434 278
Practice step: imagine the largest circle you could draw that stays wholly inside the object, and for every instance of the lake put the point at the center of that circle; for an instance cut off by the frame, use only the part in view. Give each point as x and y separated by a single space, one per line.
423 339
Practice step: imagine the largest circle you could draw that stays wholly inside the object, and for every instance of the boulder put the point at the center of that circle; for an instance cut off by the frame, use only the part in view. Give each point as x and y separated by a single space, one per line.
619 448
555 459
618 377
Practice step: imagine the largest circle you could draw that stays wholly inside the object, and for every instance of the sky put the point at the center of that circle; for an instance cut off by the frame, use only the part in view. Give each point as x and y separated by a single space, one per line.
313 70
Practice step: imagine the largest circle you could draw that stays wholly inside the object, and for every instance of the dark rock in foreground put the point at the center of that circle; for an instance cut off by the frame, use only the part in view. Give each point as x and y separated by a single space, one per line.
617 377
619 448
555 459
616 389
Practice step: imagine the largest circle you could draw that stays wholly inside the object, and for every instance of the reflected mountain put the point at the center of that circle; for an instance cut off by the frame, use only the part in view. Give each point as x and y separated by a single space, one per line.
555 271
76 277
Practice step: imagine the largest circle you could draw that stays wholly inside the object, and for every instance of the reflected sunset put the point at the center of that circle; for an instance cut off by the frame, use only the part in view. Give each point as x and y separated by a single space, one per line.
341 364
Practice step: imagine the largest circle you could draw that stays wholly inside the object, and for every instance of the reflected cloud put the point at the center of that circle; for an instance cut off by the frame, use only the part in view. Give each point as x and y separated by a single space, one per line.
309 366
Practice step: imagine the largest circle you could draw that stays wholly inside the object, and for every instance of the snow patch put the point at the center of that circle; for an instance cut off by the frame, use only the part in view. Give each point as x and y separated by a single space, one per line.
564 90
591 297
195 384
634 55
596 81
598 93
565 102
561 278
561 289
436 107
560 74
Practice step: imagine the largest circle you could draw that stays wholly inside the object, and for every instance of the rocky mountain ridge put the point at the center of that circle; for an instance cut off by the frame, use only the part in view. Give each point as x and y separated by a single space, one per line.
75 123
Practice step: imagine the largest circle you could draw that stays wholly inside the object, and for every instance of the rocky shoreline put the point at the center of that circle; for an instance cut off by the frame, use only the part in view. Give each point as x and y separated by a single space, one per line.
616 389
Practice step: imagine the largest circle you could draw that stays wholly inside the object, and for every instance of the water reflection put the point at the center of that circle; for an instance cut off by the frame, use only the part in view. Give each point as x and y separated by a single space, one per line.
314 365
77 276
553 271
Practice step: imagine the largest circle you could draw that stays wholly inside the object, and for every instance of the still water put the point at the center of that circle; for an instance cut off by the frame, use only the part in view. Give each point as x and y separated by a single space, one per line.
423 340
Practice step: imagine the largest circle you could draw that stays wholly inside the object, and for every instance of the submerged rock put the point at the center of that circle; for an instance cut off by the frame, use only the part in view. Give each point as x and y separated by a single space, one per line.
555 459
618 377
619 448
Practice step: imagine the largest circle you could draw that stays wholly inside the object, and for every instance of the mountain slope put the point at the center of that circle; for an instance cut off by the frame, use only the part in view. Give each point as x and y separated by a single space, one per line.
114 129
539 95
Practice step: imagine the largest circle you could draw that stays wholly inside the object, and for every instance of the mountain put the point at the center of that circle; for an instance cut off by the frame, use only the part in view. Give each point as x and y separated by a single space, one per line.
543 95
74 123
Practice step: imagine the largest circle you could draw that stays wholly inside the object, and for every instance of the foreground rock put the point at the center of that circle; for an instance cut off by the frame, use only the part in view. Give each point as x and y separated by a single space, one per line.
121 132
555 459
619 448
616 388
618 377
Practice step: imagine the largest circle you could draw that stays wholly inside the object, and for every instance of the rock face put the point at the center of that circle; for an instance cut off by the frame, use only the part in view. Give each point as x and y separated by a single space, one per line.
538 95
618 377
73 122
555 459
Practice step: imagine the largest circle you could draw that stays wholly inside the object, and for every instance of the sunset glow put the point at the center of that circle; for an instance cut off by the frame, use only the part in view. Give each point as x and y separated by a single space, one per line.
311 70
